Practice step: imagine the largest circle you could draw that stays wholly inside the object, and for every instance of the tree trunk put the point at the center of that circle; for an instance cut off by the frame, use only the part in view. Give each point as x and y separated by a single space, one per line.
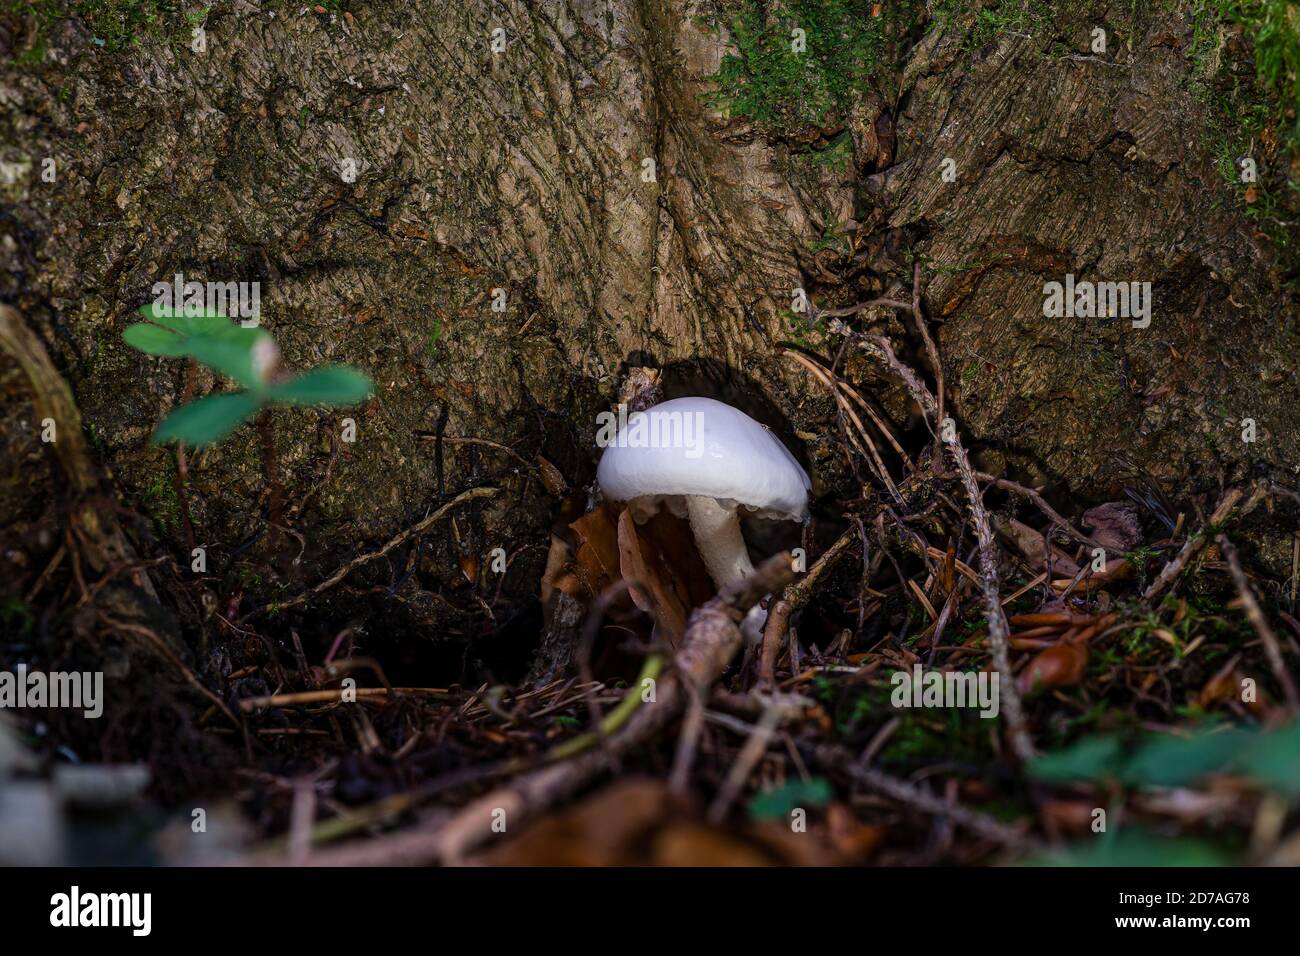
523 223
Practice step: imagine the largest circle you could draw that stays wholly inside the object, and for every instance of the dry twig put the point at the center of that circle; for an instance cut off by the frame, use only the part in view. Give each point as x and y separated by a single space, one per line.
1255 614
418 528
711 641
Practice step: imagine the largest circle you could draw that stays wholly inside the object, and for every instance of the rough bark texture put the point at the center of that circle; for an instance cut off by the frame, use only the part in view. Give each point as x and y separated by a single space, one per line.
525 171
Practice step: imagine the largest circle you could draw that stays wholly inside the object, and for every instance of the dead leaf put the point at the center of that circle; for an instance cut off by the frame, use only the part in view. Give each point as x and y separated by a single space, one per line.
1030 544
595 565
552 480
637 822
1057 666
852 839
1114 525
603 830
1072 816
697 844
651 584
557 570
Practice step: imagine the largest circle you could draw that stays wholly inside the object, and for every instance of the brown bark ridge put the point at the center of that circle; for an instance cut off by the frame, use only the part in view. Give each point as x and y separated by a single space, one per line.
580 173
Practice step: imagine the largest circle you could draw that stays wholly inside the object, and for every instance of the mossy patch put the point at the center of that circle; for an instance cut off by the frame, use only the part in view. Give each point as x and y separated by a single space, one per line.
114 24
799 63
1245 58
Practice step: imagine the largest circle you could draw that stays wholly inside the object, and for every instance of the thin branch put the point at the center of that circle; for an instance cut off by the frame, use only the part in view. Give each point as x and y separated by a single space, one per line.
990 584
418 528
1191 547
1041 503
1255 614
710 643
835 759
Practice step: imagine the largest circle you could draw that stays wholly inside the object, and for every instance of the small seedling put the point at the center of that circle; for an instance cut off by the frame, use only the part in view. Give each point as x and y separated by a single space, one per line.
250 357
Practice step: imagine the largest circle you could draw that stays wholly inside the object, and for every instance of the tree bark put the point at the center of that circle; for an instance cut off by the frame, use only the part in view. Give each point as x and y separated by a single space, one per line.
523 223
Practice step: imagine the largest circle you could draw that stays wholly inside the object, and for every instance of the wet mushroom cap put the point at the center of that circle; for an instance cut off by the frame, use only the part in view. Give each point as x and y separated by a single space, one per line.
721 453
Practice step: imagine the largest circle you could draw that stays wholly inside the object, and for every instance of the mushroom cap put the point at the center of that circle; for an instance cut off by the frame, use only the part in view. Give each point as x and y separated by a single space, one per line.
726 455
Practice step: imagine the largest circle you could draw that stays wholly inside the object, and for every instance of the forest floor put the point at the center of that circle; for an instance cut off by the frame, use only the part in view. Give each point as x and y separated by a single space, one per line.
1131 697
1128 668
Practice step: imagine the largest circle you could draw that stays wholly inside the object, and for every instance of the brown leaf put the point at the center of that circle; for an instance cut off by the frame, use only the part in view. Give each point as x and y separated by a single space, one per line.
1114 525
552 480
636 822
596 564
672 538
1074 816
606 829
697 844
651 584
1030 544
557 573
1057 666
853 840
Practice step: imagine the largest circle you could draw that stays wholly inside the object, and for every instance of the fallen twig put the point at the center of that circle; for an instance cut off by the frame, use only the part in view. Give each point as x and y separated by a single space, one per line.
931 351
1041 503
304 698
835 759
1255 614
796 596
1191 547
992 590
711 641
750 754
418 528
990 584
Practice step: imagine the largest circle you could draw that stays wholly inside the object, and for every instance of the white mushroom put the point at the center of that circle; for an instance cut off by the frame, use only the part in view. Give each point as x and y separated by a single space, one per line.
704 460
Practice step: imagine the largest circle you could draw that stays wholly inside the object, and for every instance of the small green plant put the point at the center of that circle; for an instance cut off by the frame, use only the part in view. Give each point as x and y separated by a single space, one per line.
1253 118
248 356
995 19
778 803
1266 757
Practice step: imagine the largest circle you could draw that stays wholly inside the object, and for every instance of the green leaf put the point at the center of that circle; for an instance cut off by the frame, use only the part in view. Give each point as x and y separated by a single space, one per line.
229 352
329 385
209 337
778 803
1273 759
1136 847
207 420
154 340
204 322
1169 761
1092 758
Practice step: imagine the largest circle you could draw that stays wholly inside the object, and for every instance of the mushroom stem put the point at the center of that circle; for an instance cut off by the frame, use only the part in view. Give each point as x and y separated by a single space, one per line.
722 546
718 537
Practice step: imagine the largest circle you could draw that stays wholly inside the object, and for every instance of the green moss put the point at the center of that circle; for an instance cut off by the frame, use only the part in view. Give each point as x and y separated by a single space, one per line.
162 505
780 78
835 155
991 22
1245 57
115 24
17 617
951 734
